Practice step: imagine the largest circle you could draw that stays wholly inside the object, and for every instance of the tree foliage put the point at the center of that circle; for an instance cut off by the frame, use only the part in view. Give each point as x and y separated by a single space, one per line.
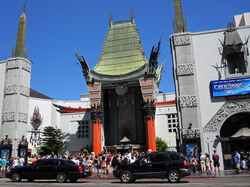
53 141
161 145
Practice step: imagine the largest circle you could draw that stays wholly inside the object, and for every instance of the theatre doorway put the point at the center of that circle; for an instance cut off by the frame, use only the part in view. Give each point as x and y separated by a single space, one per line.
235 135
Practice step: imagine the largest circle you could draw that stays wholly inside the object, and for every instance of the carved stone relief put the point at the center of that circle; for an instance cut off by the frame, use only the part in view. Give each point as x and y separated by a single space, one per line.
182 40
188 101
185 69
149 108
12 65
26 66
9 116
22 117
13 89
24 91
96 112
227 110
10 89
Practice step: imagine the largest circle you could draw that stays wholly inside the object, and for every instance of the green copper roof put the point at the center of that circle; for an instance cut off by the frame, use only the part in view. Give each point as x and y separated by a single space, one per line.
20 49
122 51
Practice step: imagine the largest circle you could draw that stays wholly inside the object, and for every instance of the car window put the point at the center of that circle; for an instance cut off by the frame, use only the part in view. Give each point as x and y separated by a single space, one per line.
174 156
159 158
38 163
52 162
69 163
146 160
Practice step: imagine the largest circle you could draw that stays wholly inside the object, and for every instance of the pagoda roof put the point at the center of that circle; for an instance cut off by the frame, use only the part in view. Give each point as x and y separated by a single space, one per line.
122 51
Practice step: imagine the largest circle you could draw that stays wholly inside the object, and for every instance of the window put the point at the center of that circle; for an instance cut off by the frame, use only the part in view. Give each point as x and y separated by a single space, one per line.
159 158
174 156
172 122
51 162
83 129
236 63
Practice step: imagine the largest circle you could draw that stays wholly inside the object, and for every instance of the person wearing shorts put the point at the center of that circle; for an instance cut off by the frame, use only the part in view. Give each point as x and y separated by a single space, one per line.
216 162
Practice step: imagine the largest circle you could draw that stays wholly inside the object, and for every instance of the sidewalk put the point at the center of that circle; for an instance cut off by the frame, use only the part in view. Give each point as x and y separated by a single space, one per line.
225 173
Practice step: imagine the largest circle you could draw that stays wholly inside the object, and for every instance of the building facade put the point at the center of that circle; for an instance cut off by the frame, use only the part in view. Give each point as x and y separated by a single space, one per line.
211 73
122 111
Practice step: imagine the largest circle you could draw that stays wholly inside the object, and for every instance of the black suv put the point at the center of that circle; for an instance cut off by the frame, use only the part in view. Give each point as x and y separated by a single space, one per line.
59 169
171 165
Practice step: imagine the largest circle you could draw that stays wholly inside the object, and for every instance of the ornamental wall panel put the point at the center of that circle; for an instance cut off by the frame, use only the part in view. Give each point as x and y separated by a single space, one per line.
185 69
227 110
188 101
182 40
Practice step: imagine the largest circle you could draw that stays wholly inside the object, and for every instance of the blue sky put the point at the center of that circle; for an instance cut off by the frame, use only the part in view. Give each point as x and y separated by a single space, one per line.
56 27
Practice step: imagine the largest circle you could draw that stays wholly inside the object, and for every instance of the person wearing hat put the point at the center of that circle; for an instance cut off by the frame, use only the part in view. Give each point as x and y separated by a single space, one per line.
216 162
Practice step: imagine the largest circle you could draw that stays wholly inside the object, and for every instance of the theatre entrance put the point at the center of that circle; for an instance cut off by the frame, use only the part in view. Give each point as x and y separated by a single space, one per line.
235 135
123 118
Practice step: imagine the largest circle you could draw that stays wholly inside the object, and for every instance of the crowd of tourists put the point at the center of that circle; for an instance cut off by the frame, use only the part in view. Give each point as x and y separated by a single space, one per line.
100 165
103 164
211 165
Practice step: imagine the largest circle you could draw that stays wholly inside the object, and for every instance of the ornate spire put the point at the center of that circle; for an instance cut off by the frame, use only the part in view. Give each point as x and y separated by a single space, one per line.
179 24
20 49
132 12
110 19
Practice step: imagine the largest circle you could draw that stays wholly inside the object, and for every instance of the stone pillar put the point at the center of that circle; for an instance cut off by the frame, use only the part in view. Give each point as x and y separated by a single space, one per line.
96 116
16 100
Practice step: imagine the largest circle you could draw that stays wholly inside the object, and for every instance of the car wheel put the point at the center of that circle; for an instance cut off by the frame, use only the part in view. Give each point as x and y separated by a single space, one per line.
30 180
73 180
126 177
16 177
61 177
173 176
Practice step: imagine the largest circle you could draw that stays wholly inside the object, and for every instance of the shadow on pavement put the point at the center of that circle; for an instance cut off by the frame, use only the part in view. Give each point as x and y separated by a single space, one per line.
146 182
46 181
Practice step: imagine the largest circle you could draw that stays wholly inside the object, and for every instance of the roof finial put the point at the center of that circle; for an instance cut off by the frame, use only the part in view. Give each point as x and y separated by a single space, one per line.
132 12
24 6
20 49
179 24
110 19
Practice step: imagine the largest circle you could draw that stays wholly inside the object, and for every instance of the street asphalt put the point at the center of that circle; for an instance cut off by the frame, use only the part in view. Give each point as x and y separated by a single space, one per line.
227 179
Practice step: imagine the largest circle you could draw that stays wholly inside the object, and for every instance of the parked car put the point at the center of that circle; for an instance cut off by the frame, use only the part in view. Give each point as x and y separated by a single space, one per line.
171 165
58 169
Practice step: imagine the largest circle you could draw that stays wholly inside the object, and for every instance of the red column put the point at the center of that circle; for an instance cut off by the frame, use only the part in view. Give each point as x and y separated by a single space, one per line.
96 136
150 133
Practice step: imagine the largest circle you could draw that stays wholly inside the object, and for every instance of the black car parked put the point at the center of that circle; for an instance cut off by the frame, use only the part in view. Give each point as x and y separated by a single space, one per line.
59 169
171 165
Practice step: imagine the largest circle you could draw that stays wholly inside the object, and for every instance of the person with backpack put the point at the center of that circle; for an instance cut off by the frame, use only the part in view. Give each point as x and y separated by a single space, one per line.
216 162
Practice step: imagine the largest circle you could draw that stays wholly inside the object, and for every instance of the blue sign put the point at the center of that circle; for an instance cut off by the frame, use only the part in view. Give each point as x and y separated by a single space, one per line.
230 87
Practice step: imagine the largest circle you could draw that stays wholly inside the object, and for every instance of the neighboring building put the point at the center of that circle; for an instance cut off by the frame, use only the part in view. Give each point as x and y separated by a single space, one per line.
212 73
133 113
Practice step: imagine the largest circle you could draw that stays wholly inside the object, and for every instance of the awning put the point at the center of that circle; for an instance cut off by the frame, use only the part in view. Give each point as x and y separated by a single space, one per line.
242 133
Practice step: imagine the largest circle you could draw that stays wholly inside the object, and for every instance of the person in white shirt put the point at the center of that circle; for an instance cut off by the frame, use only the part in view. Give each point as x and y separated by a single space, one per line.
203 164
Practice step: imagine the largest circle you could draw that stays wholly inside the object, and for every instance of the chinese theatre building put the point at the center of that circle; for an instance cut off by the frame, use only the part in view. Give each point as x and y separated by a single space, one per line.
123 87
